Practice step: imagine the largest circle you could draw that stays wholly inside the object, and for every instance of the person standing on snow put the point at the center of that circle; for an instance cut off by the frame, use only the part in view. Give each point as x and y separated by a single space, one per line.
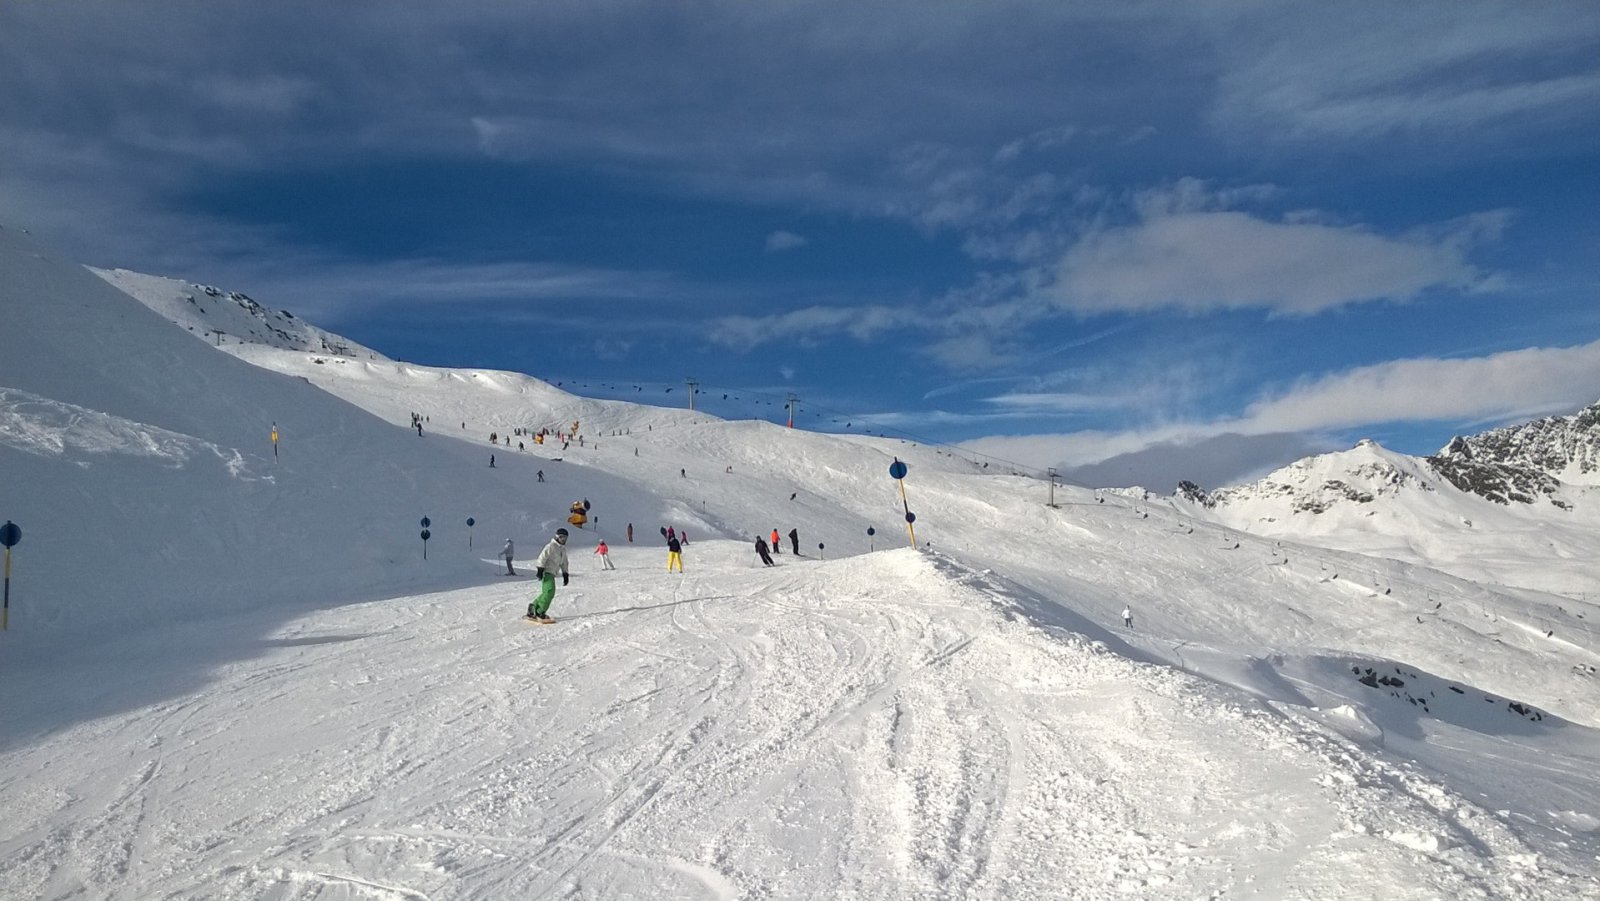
777 542
630 533
505 554
552 558
605 555
1127 617
674 554
794 541
761 549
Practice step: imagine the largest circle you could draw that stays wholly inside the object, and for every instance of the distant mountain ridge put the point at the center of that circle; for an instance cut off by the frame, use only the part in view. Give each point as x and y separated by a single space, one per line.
1522 464
230 317
1516 463
1534 487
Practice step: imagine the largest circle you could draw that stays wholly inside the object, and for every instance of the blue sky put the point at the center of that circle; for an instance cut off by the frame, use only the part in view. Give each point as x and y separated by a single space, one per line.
1135 241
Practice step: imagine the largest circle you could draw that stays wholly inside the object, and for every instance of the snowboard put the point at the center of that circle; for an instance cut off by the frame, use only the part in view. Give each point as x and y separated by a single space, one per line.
534 619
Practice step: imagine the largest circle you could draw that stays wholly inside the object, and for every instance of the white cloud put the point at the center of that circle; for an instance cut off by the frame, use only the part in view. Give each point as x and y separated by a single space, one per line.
861 323
1402 70
1501 385
1057 402
1199 261
784 240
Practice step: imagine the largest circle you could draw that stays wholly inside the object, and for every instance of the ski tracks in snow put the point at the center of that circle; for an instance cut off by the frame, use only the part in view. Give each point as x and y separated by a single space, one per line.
891 726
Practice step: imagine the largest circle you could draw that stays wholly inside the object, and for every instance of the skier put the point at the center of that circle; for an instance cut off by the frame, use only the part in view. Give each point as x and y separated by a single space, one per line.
605 555
794 541
491 461
777 542
505 554
1127 617
630 533
674 554
552 558
541 475
761 549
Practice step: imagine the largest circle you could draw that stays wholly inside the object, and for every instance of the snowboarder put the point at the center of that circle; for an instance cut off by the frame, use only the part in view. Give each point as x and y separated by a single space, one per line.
552 558
682 474
630 533
794 541
761 549
505 554
491 461
1127 617
541 475
674 554
605 555
777 542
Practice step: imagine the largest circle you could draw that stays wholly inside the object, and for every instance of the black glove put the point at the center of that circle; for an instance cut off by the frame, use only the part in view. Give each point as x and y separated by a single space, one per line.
563 578
539 574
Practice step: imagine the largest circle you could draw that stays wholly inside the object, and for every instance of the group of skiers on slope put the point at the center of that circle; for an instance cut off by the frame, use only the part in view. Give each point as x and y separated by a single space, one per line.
776 546
554 557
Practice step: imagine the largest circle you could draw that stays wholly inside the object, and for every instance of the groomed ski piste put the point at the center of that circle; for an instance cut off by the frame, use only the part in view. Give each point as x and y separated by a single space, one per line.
233 677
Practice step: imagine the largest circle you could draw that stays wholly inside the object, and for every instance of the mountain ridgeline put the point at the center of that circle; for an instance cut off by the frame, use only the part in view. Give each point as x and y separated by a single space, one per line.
1550 460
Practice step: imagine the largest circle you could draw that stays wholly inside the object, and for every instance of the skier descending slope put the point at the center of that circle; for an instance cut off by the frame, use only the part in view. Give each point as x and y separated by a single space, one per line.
553 557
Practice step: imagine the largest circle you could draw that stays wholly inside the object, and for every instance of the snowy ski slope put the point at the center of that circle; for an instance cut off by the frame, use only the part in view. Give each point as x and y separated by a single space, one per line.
238 678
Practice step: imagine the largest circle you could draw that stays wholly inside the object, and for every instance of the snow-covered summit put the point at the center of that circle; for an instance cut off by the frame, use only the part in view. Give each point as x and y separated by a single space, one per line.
1465 512
1317 484
1520 462
230 317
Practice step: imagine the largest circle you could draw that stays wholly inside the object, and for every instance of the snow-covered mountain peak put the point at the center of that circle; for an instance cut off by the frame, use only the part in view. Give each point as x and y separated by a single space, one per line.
230 317
1458 510
1564 448
1316 484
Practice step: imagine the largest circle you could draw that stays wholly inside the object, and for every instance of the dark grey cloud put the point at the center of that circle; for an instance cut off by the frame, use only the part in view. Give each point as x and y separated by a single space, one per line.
1212 462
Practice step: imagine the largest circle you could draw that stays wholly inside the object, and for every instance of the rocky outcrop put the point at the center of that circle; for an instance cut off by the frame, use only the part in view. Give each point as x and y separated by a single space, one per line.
1525 463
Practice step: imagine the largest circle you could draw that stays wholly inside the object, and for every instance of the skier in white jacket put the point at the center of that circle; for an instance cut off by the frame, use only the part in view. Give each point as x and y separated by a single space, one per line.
552 558
506 553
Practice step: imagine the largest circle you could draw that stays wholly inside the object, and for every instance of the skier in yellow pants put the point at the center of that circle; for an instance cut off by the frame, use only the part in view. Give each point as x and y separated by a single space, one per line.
674 554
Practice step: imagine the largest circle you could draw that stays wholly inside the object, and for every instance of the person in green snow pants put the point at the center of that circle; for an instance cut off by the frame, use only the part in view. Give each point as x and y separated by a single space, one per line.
552 558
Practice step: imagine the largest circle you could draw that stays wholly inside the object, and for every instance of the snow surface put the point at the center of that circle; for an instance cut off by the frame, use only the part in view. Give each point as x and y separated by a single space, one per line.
1375 501
233 677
